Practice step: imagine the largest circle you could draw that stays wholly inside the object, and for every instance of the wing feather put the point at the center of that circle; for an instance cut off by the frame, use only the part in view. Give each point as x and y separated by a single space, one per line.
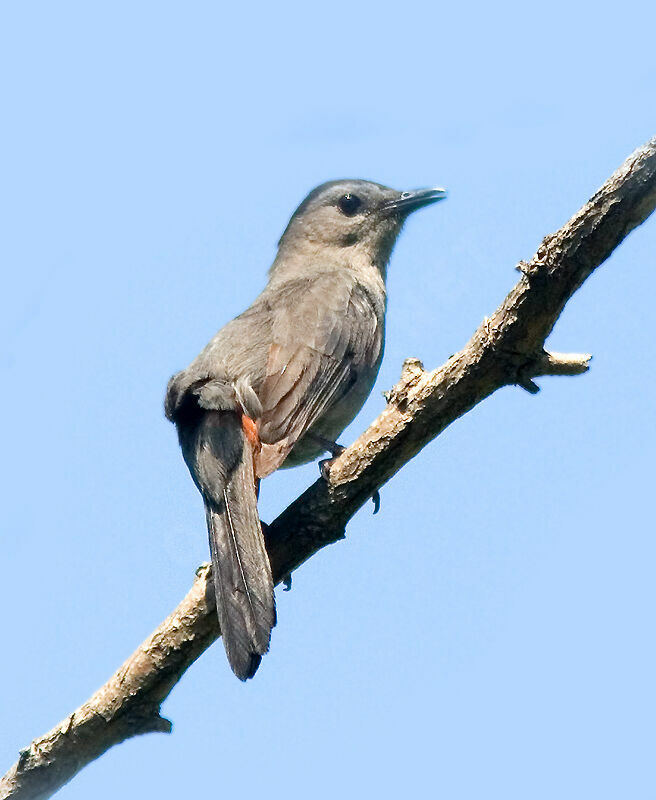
321 338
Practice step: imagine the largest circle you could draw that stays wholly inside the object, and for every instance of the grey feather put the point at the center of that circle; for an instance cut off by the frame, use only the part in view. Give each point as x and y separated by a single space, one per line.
300 363
221 462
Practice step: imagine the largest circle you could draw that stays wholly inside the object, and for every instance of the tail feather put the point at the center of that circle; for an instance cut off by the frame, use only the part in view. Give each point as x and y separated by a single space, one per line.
242 573
222 461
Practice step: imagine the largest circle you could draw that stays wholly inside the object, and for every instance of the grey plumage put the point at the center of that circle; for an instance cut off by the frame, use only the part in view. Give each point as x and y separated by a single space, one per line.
299 363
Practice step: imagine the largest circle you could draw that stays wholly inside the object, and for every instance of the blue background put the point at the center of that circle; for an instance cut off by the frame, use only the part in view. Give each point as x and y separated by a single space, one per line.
491 632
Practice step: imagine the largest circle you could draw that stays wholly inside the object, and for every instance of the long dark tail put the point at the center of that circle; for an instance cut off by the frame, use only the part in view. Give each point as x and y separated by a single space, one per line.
223 469
242 573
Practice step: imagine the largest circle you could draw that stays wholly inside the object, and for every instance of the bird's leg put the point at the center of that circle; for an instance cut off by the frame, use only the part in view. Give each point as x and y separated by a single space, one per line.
336 450
332 447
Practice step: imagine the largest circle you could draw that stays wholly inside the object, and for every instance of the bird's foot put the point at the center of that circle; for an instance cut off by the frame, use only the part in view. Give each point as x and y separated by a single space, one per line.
324 468
335 451
324 471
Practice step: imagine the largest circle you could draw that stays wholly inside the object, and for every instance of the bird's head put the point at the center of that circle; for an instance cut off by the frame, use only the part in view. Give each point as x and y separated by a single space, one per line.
351 220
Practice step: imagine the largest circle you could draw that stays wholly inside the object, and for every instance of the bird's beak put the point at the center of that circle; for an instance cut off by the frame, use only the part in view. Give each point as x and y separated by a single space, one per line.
411 201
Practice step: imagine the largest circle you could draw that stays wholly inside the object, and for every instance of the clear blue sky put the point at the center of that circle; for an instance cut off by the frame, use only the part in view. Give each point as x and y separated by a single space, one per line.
490 634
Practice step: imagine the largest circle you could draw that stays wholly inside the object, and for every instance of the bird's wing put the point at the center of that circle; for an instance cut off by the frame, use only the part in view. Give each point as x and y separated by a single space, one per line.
324 331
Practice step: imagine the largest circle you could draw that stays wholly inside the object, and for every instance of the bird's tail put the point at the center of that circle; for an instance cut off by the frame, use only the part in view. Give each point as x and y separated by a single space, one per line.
240 564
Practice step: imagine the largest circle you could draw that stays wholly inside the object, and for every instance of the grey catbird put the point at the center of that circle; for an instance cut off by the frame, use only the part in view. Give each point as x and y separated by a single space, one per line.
281 380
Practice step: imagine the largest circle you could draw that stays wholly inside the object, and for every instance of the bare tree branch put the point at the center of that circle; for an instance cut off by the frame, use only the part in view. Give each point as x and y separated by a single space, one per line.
507 348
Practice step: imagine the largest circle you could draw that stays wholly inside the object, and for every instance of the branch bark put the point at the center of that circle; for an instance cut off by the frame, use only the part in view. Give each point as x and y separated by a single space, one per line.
507 348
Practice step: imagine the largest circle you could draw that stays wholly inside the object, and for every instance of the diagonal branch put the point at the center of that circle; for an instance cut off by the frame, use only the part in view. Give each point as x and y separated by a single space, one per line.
507 348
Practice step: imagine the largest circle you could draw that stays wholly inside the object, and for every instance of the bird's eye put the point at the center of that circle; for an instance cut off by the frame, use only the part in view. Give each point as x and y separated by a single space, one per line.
349 204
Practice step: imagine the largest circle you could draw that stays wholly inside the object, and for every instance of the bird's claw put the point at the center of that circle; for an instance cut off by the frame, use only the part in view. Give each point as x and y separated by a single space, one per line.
324 468
324 471
335 451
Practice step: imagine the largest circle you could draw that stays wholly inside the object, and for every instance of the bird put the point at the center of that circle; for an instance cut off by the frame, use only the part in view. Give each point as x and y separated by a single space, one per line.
280 382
